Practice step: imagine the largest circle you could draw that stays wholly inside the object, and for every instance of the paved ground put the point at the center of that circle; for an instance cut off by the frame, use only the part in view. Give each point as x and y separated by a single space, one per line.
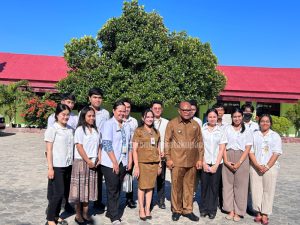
23 186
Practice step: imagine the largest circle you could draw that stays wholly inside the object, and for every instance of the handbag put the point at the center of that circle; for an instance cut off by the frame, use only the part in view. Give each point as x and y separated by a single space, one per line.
127 183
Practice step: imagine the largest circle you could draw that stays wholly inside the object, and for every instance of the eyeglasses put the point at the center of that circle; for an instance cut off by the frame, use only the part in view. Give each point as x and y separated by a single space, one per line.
186 110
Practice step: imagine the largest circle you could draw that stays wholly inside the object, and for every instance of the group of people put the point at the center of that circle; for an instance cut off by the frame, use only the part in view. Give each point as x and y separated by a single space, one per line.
224 157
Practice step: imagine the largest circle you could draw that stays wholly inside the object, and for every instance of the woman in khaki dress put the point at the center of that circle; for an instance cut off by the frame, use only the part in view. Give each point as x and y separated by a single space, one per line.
146 155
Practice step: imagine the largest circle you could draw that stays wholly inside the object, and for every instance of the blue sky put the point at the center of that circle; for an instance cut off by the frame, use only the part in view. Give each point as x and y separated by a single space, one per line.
247 33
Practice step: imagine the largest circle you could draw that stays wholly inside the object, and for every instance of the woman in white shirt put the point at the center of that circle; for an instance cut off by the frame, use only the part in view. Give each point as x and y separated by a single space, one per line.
235 172
116 158
267 147
59 153
87 156
214 145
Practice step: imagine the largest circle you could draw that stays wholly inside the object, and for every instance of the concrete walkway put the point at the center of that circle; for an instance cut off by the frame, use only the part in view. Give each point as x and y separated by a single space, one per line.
23 188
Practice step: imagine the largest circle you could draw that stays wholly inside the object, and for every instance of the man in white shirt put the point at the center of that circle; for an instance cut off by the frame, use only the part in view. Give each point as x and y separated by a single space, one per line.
133 124
194 112
69 100
160 124
102 115
221 111
248 110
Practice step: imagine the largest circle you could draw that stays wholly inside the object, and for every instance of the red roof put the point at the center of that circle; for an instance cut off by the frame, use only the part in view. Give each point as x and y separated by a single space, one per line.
261 84
41 71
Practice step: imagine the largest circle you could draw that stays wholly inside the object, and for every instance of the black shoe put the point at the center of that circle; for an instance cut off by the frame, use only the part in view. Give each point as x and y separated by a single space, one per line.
211 216
203 214
161 204
69 208
131 204
175 216
191 216
99 205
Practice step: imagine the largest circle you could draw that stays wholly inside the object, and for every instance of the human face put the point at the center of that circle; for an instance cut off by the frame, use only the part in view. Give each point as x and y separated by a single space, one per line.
212 118
193 110
148 119
157 110
90 117
96 101
221 112
119 113
127 109
237 118
265 124
185 110
63 117
69 103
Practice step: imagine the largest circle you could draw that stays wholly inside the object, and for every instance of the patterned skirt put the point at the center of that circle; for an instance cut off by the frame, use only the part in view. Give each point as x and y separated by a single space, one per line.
84 181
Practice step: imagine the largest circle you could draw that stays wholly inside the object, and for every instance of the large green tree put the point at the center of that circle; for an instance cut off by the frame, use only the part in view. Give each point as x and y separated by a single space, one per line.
136 56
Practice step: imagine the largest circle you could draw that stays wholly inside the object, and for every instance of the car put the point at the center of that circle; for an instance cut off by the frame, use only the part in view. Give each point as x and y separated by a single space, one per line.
2 122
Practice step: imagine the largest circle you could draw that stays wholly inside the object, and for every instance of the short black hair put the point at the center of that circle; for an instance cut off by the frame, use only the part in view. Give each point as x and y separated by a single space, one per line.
95 91
211 110
118 103
126 100
193 102
247 105
157 102
218 105
68 96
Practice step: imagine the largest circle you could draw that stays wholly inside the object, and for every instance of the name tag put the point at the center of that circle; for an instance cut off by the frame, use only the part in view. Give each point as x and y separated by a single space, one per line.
152 140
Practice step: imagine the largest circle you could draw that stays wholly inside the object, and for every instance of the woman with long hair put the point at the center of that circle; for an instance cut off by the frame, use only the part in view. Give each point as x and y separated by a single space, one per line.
267 147
146 156
235 173
87 156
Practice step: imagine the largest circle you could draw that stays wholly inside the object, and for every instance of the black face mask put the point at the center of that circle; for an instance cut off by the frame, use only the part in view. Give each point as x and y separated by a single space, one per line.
247 116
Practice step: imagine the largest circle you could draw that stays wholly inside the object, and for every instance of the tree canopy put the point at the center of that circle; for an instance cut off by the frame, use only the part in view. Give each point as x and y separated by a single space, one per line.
136 56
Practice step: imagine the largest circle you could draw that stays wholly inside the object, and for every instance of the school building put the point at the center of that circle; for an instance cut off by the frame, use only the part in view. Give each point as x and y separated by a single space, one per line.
273 88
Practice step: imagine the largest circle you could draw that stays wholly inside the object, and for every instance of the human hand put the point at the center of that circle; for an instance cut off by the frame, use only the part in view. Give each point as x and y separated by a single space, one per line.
199 165
136 172
50 174
115 168
170 164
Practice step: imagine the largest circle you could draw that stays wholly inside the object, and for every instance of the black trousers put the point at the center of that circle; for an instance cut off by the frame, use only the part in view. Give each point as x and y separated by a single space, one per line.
160 182
129 195
210 185
113 188
56 190
100 180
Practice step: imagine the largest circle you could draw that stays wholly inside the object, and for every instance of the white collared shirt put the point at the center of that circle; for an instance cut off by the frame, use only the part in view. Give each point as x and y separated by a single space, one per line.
264 146
198 120
89 140
161 125
72 122
102 115
252 126
212 141
63 144
236 139
112 138
133 124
